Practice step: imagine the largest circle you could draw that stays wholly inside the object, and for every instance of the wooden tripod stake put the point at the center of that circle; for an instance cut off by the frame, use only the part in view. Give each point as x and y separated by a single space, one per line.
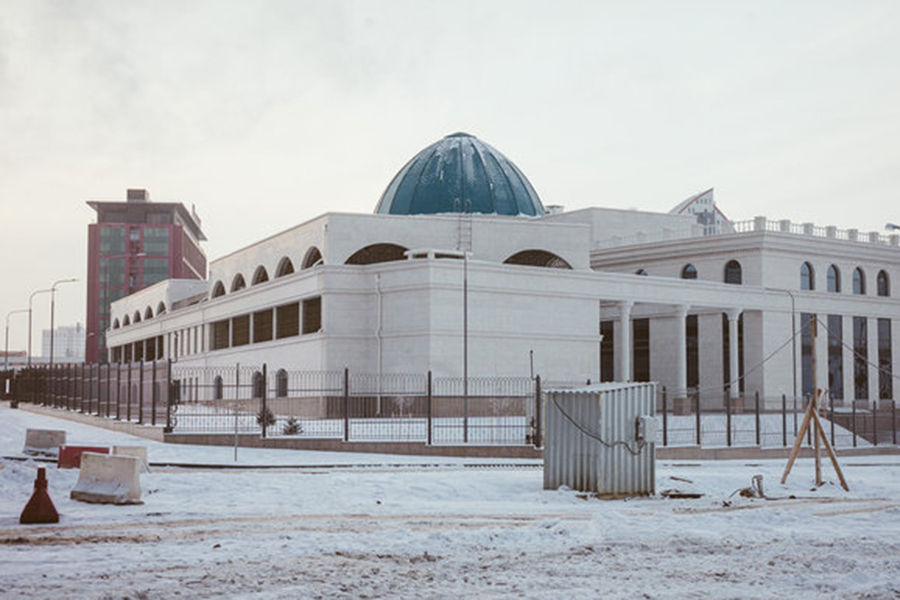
819 435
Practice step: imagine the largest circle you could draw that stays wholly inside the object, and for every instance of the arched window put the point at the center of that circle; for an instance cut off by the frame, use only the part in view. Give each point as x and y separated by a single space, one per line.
859 281
313 257
260 276
377 253
137 317
126 321
238 283
883 283
285 267
689 272
641 272
148 314
733 272
537 258
218 289
218 388
281 383
259 385
807 277
161 308
834 279
116 324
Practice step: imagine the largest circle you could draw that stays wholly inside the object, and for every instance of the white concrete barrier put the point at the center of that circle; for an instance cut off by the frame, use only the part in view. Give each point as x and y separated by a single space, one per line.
108 479
44 441
138 452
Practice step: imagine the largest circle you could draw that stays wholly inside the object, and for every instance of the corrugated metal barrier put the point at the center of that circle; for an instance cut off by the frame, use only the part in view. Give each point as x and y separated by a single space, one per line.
602 439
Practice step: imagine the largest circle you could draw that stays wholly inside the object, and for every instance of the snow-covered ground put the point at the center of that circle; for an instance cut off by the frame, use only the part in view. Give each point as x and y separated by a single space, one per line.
373 526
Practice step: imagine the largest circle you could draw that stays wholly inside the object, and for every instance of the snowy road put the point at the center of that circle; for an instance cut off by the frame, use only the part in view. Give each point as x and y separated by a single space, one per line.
446 532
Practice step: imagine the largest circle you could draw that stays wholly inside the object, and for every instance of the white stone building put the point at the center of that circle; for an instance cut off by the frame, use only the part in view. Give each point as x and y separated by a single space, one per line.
462 271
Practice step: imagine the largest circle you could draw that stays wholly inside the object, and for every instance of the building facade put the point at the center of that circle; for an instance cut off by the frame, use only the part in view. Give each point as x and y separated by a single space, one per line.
461 271
68 344
133 245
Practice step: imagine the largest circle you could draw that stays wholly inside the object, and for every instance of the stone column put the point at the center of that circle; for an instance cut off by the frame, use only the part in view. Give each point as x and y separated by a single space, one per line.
734 388
680 400
624 346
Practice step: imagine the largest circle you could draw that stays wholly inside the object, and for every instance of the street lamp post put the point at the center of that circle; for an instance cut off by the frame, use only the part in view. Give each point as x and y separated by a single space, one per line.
53 311
30 299
8 315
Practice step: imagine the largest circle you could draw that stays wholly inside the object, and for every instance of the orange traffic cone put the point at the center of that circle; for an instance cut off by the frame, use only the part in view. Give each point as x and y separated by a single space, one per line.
40 508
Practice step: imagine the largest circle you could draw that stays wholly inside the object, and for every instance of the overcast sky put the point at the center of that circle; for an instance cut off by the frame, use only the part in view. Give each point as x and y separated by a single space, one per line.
264 114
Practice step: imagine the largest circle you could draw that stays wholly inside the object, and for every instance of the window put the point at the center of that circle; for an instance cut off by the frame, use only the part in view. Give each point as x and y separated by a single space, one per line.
807 277
220 335
312 315
607 351
218 290
156 241
218 388
148 314
260 276
238 283
860 358
155 270
313 258
281 383
885 361
834 279
240 330
112 272
262 326
537 258
689 272
883 284
287 320
733 273
377 253
859 281
285 267
160 308
112 240
807 335
116 324
641 340
692 352
641 272
137 317
836 357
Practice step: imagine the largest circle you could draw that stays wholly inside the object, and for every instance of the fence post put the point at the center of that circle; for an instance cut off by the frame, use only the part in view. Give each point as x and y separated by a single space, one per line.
697 420
265 412
153 396
118 391
894 420
853 422
346 404
141 394
108 387
874 422
128 394
784 420
429 409
832 420
758 433
538 417
665 415
728 420
83 394
169 396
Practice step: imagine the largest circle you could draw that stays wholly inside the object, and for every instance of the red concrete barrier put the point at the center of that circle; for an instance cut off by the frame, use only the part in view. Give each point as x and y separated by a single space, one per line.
70 456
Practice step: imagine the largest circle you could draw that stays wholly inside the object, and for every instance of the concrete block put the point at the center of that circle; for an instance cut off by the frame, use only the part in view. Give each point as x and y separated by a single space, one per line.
138 452
70 456
108 479
44 441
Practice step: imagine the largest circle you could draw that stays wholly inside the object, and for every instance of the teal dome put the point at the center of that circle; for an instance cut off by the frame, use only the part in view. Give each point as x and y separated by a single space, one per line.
460 174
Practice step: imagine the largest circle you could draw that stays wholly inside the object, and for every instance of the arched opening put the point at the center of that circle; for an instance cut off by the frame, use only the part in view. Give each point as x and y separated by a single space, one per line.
313 257
137 317
161 309
218 289
641 272
238 283
281 384
807 277
733 273
218 388
285 267
126 321
148 314
260 276
834 279
116 324
377 253
689 272
538 258
859 281
883 283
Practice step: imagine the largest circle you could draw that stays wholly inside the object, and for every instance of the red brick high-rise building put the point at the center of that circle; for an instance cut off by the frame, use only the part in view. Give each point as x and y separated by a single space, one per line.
133 245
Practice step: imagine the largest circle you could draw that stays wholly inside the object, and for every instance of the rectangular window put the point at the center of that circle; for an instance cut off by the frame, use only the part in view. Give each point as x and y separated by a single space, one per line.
240 330
641 339
112 272
151 349
288 320
155 270
836 357
156 241
693 352
860 358
138 351
807 333
885 361
112 240
607 351
312 315
262 326
220 335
